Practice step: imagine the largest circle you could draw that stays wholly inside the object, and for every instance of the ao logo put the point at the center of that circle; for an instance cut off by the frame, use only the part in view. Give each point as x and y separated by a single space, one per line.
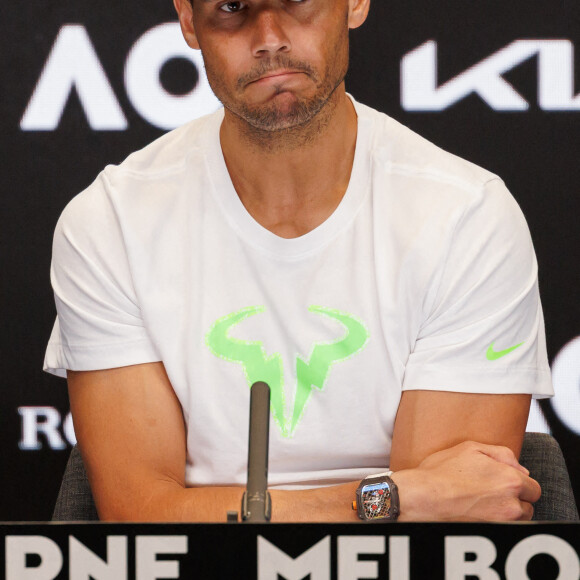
420 90
566 378
73 63
566 402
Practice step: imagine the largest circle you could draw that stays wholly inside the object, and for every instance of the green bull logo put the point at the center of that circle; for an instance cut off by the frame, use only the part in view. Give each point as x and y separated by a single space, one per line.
310 374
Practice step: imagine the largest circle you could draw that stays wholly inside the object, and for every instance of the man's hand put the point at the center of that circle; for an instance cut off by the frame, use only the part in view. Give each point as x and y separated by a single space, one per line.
444 477
470 481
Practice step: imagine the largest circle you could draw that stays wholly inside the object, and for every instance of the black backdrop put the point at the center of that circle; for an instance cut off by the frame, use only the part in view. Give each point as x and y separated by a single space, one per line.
535 150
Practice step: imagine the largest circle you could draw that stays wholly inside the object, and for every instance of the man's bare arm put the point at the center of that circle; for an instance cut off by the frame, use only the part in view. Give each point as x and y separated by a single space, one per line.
132 436
455 456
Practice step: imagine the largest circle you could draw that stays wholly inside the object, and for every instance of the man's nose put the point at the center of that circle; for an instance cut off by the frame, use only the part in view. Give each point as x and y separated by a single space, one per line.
269 34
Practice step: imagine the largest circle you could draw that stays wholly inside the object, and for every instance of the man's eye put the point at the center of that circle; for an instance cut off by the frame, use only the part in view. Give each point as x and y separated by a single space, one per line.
232 6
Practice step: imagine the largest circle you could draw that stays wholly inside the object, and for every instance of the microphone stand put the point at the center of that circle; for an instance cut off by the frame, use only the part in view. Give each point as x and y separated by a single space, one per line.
256 502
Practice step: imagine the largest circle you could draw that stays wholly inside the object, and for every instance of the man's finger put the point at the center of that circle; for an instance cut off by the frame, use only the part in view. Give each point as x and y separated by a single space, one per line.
531 490
503 455
527 511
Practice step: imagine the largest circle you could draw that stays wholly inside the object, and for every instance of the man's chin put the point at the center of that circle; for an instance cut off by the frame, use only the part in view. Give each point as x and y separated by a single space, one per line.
274 121
282 112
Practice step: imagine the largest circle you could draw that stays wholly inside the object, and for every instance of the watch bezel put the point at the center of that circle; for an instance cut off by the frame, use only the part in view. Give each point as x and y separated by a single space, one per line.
387 493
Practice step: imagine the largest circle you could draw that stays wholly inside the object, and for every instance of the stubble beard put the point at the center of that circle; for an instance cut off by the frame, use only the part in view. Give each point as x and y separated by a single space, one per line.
278 124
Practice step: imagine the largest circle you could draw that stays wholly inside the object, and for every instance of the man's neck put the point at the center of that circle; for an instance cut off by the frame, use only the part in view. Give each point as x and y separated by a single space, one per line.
291 181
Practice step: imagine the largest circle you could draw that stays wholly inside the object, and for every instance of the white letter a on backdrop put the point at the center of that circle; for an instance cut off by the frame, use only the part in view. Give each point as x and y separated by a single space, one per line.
73 63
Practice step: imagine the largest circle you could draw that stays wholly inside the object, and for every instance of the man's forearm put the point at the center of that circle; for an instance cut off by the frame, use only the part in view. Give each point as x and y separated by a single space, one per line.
322 504
469 481
171 502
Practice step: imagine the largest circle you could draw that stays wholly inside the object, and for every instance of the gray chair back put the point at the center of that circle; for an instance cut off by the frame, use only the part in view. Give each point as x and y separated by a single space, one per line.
541 454
75 499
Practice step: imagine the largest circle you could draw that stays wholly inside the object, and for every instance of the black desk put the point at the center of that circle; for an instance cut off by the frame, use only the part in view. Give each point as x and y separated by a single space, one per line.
396 551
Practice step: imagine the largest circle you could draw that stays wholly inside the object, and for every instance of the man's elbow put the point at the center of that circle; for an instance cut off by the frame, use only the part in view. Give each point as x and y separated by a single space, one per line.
154 502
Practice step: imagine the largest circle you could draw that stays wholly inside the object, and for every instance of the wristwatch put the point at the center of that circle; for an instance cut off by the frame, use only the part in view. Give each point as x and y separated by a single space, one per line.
377 498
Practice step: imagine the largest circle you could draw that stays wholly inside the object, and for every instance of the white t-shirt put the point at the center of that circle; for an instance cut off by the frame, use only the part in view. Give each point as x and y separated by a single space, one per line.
424 272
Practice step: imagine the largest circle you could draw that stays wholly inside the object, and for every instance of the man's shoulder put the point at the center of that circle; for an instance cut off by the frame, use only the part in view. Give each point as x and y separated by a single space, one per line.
172 150
157 168
400 150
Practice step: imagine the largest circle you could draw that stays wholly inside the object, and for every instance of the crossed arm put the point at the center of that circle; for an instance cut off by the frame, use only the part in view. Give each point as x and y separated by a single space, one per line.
132 437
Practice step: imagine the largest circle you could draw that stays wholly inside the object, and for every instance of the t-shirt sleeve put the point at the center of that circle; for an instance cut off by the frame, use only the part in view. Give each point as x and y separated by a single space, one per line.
484 330
99 323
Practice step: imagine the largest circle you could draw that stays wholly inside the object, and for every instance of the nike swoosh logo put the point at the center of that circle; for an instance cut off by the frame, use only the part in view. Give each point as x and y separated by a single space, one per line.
494 355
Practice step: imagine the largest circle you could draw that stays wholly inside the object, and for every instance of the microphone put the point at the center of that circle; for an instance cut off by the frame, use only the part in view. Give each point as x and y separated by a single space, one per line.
256 503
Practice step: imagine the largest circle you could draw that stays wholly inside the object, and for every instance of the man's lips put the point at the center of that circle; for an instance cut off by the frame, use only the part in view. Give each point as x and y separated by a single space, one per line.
277 76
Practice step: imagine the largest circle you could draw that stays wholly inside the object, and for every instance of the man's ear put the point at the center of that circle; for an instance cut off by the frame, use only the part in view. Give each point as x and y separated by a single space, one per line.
185 14
357 12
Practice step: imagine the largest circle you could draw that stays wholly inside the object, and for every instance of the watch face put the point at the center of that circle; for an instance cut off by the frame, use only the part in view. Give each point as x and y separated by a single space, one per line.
376 500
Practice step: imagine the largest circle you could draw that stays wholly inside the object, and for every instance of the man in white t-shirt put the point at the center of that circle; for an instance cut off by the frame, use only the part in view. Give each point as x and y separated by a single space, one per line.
385 290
